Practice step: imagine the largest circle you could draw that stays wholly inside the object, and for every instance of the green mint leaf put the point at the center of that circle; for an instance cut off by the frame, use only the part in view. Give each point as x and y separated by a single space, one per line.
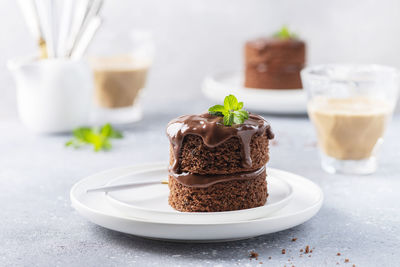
242 113
232 111
106 130
237 119
217 110
98 137
230 102
240 116
81 133
116 134
228 119
69 143
285 33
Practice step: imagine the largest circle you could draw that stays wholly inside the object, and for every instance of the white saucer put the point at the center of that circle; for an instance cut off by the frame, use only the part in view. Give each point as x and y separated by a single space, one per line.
307 200
276 101
151 202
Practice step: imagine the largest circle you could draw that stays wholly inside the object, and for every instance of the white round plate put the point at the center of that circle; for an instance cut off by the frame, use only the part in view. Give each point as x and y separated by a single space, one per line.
276 101
307 200
151 202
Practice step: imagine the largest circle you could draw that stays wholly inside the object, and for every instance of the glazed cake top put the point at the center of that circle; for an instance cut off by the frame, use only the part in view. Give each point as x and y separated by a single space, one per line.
213 132
274 42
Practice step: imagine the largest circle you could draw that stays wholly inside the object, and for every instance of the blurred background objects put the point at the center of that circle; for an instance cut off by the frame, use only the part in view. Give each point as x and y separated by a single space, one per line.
194 38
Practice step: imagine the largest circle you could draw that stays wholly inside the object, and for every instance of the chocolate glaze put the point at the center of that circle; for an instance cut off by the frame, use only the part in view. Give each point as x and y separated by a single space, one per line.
263 42
203 181
213 133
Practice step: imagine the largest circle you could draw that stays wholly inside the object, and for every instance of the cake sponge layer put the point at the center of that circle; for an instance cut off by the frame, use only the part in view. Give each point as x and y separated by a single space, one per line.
196 157
262 78
224 196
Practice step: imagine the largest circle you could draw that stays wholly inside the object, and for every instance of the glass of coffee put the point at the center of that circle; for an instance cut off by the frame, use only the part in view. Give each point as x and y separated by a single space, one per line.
350 107
120 67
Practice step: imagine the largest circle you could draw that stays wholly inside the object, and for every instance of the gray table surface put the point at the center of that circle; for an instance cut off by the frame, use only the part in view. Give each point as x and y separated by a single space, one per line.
360 217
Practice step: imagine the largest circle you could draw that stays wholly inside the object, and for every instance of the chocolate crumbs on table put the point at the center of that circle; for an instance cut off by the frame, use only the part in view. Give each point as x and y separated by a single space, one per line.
338 254
307 250
283 251
346 260
254 255
294 239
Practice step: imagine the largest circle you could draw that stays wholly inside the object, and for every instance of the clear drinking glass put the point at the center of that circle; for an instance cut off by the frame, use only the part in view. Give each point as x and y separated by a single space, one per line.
120 66
350 107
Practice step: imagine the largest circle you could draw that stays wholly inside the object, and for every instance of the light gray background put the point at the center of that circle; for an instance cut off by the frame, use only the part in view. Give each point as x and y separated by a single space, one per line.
195 38
360 217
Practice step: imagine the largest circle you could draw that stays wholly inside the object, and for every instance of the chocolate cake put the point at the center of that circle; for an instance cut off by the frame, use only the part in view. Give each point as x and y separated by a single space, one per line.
274 62
214 167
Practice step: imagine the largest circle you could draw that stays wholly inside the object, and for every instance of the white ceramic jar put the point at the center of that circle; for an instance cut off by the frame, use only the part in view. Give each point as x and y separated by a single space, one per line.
53 95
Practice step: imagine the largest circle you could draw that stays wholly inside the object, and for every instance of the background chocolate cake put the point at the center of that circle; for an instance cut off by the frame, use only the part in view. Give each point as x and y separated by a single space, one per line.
274 62
214 167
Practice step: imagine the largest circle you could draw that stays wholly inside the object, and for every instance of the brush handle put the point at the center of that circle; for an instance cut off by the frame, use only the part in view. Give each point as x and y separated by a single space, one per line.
123 186
45 10
86 38
65 27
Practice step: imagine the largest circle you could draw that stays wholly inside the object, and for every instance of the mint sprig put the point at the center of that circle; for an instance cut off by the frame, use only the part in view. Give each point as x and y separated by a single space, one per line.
285 33
98 137
232 111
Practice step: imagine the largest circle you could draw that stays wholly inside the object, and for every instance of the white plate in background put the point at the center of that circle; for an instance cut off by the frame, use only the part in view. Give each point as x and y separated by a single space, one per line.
276 101
96 207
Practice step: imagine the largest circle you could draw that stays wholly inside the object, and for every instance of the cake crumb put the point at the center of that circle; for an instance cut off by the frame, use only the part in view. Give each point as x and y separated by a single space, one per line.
269 257
261 262
338 254
354 265
294 239
307 250
283 251
301 250
346 260
254 255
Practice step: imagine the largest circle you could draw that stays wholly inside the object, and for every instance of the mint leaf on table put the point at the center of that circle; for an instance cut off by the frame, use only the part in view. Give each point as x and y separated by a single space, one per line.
285 33
98 137
232 111
108 131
